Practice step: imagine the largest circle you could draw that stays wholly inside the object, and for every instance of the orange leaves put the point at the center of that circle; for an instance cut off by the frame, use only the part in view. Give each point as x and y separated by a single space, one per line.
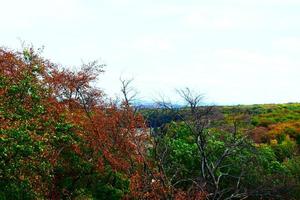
115 134
260 134
287 130
50 99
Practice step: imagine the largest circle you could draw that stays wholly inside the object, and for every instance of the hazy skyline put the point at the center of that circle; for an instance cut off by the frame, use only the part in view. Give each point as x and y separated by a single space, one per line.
234 51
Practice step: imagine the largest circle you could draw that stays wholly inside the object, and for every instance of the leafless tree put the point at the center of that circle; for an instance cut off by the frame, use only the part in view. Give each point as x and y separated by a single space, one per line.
128 92
198 118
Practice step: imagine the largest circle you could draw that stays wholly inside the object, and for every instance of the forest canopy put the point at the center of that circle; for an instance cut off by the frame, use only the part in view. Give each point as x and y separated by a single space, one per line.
63 138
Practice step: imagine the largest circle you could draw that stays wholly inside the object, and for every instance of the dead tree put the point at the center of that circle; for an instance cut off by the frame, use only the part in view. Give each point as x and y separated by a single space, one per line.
198 118
151 176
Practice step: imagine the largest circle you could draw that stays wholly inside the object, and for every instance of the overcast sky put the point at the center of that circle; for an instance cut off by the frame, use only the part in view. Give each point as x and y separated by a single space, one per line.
234 51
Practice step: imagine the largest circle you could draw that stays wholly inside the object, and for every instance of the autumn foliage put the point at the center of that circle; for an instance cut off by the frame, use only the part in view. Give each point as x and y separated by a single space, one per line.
58 132
61 137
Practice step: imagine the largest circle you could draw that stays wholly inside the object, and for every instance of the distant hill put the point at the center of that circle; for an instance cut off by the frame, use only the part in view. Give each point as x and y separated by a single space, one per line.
273 121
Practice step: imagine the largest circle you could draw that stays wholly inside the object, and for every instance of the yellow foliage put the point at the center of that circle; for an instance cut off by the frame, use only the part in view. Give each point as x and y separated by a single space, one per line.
273 142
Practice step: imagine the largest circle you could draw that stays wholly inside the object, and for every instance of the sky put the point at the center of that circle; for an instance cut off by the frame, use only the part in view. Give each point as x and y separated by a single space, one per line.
232 51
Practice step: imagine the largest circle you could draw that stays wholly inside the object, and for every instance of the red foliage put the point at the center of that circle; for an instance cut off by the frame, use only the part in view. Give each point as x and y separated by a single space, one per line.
260 134
114 132
116 135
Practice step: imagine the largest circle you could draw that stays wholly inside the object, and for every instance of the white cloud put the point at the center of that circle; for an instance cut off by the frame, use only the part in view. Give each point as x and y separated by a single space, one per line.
267 2
287 43
224 47
22 14
251 57
152 44
209 21
224 17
